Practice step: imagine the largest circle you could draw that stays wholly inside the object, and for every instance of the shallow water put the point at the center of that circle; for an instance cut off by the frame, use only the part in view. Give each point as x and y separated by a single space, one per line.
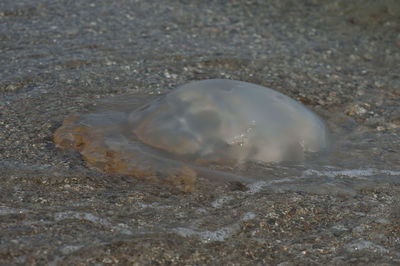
68 57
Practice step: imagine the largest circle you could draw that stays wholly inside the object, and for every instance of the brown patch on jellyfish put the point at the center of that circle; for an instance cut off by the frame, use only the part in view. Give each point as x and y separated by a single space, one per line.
92 145
69 135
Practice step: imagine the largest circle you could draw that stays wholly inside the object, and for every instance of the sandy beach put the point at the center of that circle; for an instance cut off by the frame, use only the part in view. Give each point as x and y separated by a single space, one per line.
339 58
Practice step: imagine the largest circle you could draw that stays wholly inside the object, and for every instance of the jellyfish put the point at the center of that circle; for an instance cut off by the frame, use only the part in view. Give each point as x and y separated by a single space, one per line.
179 135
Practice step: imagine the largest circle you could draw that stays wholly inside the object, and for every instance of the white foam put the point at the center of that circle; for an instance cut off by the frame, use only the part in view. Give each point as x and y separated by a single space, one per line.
256 187
249 216
355 173
7 210
208 236
69 249
361 245
121 228
212 236
154 205
218 203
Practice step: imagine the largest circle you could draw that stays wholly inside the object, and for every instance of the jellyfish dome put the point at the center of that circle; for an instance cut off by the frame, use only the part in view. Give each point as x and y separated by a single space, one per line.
222 119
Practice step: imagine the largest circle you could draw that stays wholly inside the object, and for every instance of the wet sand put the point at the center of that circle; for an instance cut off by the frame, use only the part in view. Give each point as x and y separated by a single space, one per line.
341 59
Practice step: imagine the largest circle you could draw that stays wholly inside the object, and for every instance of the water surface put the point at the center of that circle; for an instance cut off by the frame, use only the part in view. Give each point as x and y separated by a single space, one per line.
65 57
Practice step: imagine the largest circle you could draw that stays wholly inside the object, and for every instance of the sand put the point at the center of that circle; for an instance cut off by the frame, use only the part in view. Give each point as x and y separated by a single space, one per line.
340 58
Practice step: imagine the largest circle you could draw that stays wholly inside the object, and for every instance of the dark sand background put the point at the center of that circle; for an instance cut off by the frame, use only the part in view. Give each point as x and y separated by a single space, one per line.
341 58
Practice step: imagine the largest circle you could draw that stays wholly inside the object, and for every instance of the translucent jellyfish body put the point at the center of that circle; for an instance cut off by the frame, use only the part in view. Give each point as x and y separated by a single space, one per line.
203 122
